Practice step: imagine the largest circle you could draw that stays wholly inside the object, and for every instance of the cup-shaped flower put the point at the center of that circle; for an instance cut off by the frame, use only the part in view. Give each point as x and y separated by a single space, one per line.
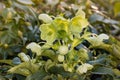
84 68
34 48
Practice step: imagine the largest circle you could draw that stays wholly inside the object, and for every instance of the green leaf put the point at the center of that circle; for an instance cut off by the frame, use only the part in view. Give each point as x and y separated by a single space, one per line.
7 62
39 75
83 54
7 37
49 53
115 50
59 70
26 9
97 61
103 71
117 8
96 17
25 68
75 42
48 33
49 64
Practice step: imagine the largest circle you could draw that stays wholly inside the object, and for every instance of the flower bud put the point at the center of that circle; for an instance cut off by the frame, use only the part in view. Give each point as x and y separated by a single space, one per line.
60 58
63 50
20 34
5 45
23 56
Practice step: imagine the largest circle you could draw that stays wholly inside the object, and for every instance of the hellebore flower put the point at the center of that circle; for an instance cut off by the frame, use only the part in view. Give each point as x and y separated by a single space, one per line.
34 48
84 68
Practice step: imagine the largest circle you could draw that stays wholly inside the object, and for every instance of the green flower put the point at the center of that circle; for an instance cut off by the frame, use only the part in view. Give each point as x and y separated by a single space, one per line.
23 56
84 68
34 48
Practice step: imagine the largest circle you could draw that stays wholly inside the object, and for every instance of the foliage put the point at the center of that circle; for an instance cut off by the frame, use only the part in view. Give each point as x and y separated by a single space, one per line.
17 23
47 45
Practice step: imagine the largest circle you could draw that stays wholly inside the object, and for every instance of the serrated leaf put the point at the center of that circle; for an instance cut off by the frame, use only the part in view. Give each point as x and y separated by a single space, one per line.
98 61
7 62
25 68
103 71
75 42
49 64
59 70
49 53
83 54
115 50
39 75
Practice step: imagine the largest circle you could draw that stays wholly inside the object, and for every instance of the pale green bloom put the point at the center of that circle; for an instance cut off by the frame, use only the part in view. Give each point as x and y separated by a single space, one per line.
84 68
34 48
23 56
103 36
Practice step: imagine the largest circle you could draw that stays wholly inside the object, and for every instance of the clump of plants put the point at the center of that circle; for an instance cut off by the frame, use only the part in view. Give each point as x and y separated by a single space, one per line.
68 50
